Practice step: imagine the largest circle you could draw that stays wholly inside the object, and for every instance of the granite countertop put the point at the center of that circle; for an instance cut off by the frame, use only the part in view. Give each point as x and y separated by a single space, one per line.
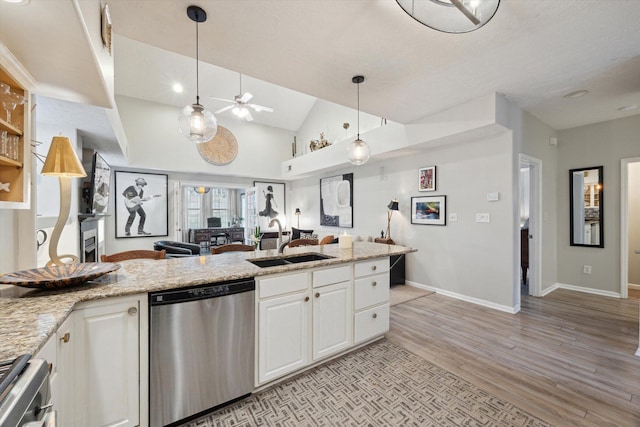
28 317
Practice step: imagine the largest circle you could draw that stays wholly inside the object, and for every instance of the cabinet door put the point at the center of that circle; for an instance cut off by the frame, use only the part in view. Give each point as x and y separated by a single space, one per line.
64 388
332 319
107 359
371 323
283 332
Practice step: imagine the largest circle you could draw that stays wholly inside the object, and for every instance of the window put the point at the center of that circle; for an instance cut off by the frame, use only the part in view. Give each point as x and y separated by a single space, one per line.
218 202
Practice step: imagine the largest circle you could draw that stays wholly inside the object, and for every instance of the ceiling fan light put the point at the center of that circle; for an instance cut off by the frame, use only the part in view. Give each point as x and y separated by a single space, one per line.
197 123
460 16
359 152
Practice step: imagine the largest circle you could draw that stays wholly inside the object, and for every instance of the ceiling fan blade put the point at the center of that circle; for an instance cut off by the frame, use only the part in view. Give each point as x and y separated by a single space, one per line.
222 110
260 108
245 97
465 11
221 99
248 117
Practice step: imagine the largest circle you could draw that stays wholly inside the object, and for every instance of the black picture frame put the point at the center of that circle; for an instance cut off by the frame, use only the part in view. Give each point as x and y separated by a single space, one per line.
585 216
153 204
336 201
429 210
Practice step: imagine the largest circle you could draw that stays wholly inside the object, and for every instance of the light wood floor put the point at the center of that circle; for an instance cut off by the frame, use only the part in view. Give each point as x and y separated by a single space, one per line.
567 358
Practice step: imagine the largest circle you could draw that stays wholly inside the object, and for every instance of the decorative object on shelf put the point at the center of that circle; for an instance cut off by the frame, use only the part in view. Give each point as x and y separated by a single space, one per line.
197 123
294 147
59 276
271 204
297 214
10 101
336 201
451 16
63 163
392 206
221 150
429 210
427 179
240 107
359 151
105 25
317 144
133 190
4 186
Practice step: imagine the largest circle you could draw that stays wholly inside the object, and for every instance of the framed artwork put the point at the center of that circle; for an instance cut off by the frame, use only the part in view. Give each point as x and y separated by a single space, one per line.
429 210
336 201
271 204
141 204
427 179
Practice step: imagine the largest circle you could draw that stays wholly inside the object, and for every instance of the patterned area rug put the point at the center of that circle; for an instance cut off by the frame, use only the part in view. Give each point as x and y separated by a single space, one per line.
379 385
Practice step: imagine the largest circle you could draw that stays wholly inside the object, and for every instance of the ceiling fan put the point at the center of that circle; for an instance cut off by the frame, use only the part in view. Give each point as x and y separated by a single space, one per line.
241 105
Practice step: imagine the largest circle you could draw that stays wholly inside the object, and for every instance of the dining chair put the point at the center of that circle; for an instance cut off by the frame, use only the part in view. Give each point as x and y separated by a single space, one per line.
133 254
232 247
327 239
302 242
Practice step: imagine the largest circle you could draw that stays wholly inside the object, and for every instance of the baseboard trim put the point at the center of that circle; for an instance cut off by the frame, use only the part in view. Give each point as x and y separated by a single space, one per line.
548 290
633 286
484 303
600 292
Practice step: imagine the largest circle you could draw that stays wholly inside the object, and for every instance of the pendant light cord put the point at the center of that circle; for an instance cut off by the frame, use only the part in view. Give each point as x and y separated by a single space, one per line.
197 66
358 111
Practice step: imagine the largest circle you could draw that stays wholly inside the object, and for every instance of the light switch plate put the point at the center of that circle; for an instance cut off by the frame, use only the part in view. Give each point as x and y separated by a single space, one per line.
483 217
453 217
493 197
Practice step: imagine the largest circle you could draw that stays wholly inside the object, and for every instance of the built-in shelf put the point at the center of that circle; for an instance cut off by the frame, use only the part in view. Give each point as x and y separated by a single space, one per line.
13 130
5 161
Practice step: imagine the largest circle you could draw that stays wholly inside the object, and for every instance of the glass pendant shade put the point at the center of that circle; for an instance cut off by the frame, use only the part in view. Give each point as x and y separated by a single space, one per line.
197 123
451 16
359 152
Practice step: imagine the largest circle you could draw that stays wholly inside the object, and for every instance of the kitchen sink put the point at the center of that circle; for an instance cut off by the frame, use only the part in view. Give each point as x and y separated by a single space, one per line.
288 259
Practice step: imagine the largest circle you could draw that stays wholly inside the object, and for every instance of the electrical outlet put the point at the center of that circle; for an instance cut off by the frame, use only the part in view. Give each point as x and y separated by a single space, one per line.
493 197
453 217
586 269
483 217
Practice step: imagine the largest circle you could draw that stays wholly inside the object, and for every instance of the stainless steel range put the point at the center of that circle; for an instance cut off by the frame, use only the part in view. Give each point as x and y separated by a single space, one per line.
25 393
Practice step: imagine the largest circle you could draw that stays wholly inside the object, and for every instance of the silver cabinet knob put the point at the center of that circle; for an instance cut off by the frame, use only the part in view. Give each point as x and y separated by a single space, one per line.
374 315
132 311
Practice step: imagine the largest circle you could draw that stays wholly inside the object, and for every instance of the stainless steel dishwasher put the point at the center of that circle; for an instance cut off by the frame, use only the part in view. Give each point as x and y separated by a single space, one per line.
201 349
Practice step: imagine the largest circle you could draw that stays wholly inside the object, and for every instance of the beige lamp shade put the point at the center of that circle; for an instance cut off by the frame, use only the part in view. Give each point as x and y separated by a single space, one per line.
62 160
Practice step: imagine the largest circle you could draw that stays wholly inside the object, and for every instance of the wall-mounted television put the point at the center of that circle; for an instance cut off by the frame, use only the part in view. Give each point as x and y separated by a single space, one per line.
100 185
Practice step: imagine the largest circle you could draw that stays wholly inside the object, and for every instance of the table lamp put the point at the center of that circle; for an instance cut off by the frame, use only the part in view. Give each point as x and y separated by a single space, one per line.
297 213
392 206
62 161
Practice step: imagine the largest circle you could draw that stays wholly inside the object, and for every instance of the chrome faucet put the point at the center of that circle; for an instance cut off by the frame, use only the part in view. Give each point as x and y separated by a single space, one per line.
280 246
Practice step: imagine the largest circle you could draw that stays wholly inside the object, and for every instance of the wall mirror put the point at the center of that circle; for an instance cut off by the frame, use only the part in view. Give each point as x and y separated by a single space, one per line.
586 190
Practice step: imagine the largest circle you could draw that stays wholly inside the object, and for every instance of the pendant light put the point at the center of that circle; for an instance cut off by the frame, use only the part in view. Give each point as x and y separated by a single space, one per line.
359 152
196 123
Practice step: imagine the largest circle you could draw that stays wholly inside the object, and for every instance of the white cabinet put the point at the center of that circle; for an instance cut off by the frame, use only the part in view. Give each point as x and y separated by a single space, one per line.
332 313
108 363
283 335
371 299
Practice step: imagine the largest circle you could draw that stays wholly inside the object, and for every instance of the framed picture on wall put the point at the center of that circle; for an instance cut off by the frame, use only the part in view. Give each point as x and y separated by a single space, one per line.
271 204
336 201
429 210
427 179
141 204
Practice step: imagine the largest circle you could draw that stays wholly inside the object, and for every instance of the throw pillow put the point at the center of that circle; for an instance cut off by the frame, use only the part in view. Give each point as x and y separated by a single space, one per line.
308 235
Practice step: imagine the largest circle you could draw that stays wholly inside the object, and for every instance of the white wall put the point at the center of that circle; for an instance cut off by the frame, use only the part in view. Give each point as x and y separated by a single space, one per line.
464 257
155 143
8 239
634 223
594 145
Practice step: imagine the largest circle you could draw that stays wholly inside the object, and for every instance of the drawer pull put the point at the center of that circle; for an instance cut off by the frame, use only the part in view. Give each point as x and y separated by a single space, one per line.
373 267
317 294
374 283
66 337
374 315
306 299
132 311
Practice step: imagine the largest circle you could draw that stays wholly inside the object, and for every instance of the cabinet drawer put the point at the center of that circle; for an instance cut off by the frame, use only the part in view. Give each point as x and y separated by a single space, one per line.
331 275
372 290
375 266
370 323
280 285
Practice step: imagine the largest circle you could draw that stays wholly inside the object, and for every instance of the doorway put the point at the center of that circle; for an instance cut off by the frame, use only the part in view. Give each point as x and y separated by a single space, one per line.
530 225
630 227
